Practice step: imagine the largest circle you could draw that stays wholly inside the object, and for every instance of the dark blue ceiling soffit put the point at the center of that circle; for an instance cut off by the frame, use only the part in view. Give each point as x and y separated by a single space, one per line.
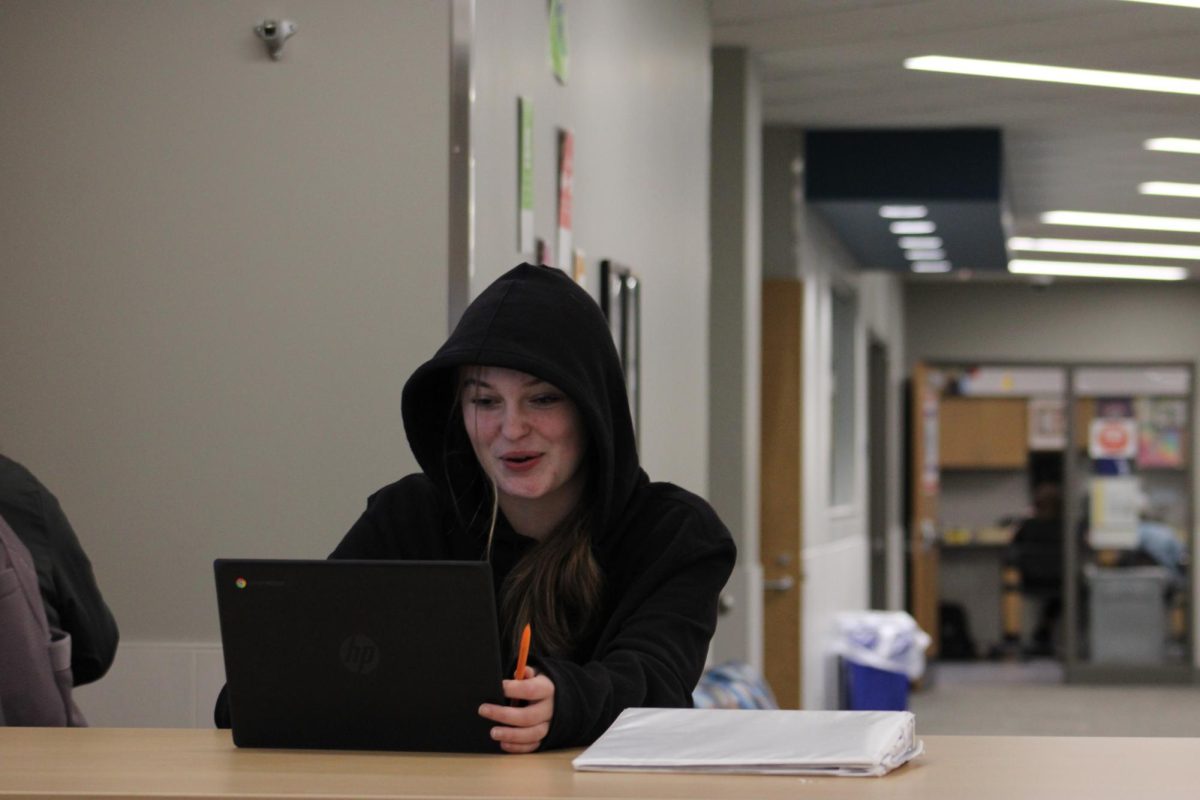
957 174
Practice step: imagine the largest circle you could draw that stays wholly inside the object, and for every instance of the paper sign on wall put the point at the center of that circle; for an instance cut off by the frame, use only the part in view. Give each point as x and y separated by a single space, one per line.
1047 423
1114 504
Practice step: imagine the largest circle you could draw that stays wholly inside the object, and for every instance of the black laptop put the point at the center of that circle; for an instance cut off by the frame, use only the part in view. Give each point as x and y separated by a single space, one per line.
363 655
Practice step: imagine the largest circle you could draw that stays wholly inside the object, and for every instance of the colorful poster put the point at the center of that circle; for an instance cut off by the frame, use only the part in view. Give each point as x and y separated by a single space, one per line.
1162 424
525 176
566 158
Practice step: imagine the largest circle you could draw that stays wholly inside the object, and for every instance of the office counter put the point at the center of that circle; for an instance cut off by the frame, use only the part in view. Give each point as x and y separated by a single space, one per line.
180 763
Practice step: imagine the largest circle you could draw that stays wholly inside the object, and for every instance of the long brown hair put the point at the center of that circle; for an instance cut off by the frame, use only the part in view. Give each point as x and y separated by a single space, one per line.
557 586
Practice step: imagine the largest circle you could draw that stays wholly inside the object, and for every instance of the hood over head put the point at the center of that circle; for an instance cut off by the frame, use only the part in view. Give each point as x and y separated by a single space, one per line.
539 321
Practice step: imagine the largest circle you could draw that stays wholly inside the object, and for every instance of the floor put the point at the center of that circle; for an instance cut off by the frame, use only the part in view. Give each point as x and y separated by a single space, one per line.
1029 699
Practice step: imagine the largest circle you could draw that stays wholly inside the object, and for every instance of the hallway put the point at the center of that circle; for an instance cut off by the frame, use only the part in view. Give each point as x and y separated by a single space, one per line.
1029 699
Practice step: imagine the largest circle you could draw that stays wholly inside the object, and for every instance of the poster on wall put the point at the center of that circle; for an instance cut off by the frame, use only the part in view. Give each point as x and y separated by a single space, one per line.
557 17
579 268
1162 423
525 242
1113 437
566 158
1047 423
1113 506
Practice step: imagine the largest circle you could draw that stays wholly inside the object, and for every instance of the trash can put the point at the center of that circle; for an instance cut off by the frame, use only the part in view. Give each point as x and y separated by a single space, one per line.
879 653
1127 614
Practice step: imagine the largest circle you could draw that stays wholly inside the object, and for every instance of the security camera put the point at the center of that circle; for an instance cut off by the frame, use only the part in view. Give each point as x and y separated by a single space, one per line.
274 33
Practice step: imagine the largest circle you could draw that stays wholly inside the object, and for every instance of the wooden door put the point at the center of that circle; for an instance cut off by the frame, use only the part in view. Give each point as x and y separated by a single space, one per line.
780 496
923 545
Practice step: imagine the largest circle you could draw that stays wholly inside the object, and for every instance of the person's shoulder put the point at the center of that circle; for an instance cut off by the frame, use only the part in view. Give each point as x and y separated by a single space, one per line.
417 484
697 517
411 493
16 477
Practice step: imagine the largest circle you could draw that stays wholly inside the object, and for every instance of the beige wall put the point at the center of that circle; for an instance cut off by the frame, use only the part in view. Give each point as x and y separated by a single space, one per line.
217 271
637 98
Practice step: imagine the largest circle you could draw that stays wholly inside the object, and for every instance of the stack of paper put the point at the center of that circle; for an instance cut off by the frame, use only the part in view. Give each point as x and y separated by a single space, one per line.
858 743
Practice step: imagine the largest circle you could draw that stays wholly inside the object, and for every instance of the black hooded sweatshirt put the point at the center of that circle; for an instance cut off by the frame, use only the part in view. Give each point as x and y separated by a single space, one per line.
663 552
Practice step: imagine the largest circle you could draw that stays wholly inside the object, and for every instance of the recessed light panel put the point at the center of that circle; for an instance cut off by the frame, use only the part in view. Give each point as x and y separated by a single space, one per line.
903 212
1170 189
912 227
1180 3
1102 248
1052 74
1135 221
924 255
1169 144
920 242
1084 270
931 266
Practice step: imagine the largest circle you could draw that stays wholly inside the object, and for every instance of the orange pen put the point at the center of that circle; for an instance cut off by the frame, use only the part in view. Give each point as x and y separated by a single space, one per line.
523 653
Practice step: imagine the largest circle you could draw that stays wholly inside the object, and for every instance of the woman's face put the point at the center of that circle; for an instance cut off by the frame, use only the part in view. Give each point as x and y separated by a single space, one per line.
528 436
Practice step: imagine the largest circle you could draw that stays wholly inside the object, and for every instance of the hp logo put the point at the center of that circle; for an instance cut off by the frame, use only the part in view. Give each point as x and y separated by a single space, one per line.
360 654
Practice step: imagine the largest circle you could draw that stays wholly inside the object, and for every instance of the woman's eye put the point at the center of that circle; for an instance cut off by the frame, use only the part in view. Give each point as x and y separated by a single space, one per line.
546 399
483 402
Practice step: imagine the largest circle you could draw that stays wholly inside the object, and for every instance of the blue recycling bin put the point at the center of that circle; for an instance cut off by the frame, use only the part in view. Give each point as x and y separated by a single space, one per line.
866 688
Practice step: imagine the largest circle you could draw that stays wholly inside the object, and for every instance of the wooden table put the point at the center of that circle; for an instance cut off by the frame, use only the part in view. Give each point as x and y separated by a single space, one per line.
178 763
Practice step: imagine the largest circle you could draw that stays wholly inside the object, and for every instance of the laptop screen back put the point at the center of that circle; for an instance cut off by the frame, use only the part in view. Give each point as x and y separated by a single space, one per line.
376 655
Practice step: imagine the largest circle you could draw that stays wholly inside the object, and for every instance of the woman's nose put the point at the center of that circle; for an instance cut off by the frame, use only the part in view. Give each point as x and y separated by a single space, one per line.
515 423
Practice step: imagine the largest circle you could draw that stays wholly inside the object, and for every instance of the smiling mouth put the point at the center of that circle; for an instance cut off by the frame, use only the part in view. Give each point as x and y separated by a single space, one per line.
521 462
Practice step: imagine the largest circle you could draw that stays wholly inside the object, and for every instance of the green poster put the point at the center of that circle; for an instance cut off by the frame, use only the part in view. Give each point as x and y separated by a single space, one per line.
558 40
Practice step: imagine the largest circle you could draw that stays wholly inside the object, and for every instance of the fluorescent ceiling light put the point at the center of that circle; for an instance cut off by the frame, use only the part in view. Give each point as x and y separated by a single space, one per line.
1084 270
931 266
1170 189
1101 248
1137 221
1180 3
914 226
925 255
1042 72
920 242
902 212
1168 144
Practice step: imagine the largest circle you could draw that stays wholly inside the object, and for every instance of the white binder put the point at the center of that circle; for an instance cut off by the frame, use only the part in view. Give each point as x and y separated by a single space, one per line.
851 743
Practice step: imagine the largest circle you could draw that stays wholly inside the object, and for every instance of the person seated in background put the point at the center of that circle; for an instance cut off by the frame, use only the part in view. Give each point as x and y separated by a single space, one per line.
1037 553
522 427
1159 545
74 606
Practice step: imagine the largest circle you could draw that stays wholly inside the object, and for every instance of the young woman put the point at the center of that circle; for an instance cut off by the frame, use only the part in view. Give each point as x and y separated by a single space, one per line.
521 426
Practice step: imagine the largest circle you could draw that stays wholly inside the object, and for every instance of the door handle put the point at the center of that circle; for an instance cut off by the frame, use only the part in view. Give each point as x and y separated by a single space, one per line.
779 584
